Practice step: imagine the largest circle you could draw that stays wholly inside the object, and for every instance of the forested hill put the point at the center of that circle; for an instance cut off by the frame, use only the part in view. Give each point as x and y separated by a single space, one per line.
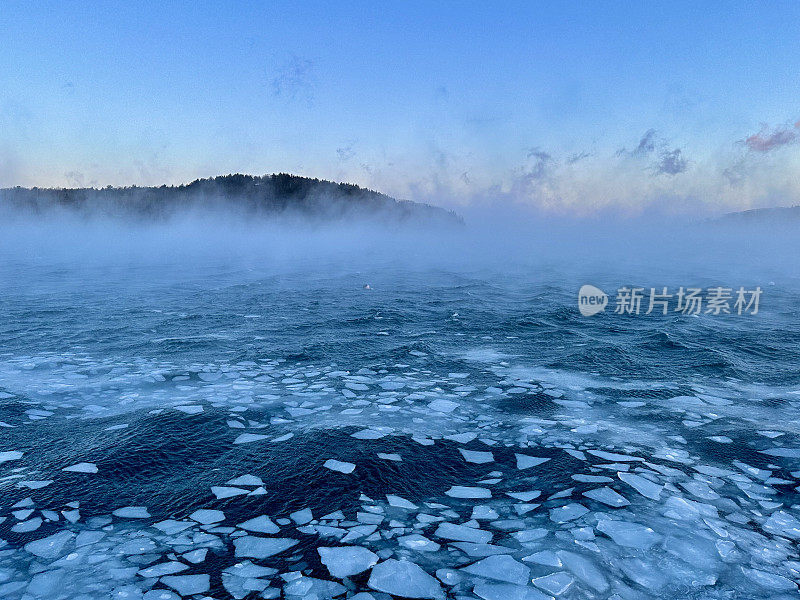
246 195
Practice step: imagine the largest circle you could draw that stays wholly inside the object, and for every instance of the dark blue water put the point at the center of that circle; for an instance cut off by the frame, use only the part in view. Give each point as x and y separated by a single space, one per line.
151 369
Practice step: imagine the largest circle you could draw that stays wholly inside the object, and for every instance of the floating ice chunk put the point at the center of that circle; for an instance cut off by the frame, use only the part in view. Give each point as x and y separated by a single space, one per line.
165 568
783 452
392 457
83 467
444 406
478 458
500 567
27 526
584 569
570 512
642 485
207 516
262 524
462 533
399 502
526 462
248 479
301 517
196 556
50 547
345 561
591 478
681 508
187 585
507 591
34 485
340 466
613 456
484 512
628 534
246 438
404 578
249 546
172 527
283 438
419 542
462 438
782 523
190 409
608 496
555 583
524 496
368 434
644 573
461 491
545 557
132 512
221 491
309 587
772 581
479 550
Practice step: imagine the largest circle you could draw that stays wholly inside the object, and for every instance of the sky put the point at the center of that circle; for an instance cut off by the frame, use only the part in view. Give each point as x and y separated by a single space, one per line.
561 107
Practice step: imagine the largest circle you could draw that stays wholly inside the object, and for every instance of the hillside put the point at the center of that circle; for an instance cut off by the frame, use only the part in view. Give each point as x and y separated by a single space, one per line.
252 197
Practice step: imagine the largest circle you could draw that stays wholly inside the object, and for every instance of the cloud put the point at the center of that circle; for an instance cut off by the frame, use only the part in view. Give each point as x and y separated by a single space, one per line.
539 164
767 140
646 145
345 153
671 162
578 156
294 80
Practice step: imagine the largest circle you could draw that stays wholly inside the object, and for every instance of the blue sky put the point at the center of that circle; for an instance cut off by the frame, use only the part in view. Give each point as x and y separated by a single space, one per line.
569 108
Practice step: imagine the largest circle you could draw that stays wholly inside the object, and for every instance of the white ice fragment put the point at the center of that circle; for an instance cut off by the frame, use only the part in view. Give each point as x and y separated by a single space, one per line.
187 585
419 542
340 466
345 561
507 591
249 546
462 533
246 438
478 458
207 516
526 462
461 491
301 517
190 409
644 486
262 524
570 512
443 406
771 581
628 534
165 568
221 491
83 467
501 567
782 523
584 569
10 455
612 456
249 480
132 512
608 496
390 456
555 583
399 502
404 578
50 547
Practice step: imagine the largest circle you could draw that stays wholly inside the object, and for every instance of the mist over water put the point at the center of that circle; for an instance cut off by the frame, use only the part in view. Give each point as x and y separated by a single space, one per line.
177 357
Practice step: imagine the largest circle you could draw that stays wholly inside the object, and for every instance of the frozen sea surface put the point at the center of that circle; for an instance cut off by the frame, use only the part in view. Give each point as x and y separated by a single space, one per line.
220 430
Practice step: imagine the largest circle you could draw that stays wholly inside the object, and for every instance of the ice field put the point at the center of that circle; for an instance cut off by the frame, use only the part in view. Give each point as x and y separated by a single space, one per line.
242 431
